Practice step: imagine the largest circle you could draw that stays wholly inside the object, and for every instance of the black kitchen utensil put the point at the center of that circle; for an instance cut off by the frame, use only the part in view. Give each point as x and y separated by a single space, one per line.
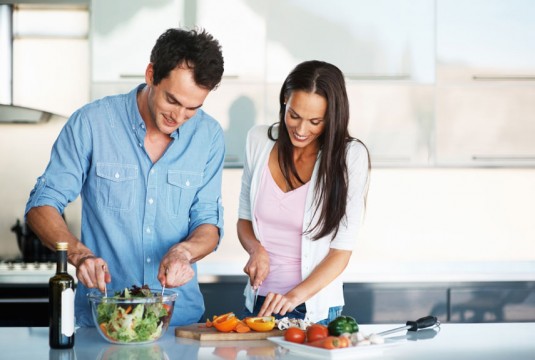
421 323
30 246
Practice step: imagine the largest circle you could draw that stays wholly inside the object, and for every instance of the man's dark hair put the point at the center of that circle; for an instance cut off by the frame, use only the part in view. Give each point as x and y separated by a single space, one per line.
195 49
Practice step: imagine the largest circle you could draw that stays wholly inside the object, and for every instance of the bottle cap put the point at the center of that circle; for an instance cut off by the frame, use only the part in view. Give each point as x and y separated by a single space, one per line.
61 246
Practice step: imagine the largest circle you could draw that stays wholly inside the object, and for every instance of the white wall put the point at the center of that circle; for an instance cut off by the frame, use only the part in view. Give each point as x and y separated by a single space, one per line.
427 219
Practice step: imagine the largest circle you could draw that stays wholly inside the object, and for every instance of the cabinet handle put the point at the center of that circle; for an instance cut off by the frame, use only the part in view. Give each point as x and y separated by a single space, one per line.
503 77
400 159
132 76
378 76
140 76
503 158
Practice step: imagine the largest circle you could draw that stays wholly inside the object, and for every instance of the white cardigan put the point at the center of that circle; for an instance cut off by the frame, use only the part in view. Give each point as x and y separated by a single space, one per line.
258 148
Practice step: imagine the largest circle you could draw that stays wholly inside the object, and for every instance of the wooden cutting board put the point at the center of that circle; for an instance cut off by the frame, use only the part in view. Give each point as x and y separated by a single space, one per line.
201 332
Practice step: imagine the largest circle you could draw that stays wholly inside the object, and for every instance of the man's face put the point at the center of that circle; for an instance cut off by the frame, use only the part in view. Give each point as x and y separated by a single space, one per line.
175 99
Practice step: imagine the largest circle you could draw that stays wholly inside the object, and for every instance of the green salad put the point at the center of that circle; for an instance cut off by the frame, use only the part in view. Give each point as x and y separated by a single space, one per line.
133 322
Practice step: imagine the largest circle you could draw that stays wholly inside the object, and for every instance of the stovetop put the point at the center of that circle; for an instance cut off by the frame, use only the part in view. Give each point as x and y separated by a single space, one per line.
16 271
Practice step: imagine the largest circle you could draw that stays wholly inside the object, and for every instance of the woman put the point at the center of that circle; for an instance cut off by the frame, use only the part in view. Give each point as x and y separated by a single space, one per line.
304 186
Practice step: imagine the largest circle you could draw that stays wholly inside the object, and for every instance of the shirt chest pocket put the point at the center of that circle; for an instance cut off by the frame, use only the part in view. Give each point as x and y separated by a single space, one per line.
182 187
116 186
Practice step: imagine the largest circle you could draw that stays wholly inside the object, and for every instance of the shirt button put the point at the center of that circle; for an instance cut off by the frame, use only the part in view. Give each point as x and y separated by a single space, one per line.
117 175
187 182
140 145
148 230
151 201
148 259
152 171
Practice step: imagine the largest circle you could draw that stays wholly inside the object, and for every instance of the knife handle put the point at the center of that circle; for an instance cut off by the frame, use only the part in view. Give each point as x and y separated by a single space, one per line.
422 323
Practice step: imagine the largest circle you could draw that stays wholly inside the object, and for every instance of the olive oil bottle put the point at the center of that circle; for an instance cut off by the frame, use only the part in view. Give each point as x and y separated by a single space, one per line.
61 303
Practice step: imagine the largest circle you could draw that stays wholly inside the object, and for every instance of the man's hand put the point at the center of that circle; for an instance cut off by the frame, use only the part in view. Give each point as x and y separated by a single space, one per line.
93 272
175 268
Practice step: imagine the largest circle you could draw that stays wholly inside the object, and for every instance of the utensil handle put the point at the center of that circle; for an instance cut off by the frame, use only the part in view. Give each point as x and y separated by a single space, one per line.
422 323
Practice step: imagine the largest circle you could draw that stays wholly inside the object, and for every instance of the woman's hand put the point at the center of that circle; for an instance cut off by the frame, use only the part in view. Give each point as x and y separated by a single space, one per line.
278 304
258 266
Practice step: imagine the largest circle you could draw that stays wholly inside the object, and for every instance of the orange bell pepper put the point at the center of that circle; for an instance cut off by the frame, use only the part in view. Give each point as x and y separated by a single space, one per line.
226 322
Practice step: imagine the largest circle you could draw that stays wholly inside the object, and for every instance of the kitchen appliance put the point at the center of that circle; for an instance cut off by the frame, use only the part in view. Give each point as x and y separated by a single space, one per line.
24 291
30 246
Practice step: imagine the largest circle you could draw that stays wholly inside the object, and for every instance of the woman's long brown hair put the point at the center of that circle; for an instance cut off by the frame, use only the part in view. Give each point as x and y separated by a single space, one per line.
331 188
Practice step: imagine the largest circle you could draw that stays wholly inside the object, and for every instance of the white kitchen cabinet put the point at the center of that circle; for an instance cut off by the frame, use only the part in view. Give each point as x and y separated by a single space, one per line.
482 41
240 27
485 103
388 40
395 121
123 33
50 57
485 125
385 48
237 105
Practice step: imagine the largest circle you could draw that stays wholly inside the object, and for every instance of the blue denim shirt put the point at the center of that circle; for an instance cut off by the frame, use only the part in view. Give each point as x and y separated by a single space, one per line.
133 211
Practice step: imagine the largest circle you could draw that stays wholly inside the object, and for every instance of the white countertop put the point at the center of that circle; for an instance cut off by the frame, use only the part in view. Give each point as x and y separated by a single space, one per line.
489 341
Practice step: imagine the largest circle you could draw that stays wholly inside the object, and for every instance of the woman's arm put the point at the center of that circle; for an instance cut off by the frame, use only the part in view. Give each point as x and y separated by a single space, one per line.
329 269
258 265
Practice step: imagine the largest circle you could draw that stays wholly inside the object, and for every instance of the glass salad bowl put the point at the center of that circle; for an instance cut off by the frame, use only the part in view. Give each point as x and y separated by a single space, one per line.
138 315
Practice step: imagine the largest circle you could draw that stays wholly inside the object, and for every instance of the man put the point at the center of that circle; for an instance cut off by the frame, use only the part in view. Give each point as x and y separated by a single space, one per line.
148 166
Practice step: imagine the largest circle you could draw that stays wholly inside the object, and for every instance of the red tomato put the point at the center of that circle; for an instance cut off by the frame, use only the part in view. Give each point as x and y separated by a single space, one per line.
317 332
295 335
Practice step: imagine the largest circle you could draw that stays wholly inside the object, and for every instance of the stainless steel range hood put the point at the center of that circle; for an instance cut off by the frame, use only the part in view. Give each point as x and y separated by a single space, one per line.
18 114
10 113
6 54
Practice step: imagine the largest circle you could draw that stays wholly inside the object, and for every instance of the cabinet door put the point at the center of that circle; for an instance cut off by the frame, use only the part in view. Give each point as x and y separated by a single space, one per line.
240 28
395 121
367 40
123 33
485 109
481 41
490 125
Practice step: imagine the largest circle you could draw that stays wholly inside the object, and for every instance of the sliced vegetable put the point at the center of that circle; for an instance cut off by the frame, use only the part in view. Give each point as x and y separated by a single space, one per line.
343 324
262 324
242 327
226 322
331 342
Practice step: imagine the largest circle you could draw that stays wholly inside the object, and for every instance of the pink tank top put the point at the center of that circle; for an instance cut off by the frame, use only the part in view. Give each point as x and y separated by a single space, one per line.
279 217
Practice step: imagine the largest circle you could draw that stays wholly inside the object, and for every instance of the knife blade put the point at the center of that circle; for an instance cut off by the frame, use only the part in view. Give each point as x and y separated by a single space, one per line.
255 296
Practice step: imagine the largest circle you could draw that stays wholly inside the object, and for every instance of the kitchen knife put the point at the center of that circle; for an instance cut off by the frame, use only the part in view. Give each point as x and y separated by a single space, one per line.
421 323
255 297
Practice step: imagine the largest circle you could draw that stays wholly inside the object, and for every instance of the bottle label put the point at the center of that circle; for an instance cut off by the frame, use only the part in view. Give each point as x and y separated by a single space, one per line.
67 312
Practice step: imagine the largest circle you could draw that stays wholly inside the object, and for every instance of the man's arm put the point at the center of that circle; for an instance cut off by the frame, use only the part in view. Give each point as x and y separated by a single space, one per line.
50 228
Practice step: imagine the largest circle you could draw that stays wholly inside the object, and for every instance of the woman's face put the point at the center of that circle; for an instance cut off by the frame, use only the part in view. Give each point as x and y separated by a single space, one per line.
305 118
